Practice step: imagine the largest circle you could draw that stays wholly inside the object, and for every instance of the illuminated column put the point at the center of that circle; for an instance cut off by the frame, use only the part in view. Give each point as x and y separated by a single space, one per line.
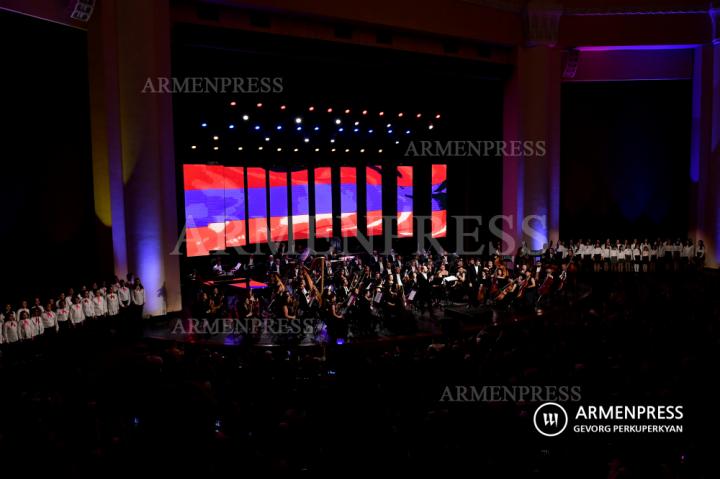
132 144
531 112
705 147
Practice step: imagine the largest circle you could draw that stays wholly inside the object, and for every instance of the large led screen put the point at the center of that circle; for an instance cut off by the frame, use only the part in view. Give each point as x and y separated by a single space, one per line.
234 206
204 208
257 205
299 197
373 197
438 200
278 206
348 201
323 202
405 201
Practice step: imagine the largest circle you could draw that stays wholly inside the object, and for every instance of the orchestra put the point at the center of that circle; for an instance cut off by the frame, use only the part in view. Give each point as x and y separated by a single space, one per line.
355 295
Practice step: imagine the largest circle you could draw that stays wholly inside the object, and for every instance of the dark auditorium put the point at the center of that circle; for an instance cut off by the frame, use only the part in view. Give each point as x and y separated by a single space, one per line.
280 237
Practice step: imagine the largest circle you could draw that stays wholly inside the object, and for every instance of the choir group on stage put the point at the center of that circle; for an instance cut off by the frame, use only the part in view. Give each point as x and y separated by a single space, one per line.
631 256
366 293
70 310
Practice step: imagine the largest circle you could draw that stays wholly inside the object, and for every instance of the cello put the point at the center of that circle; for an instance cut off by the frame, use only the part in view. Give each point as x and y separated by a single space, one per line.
506 290
547 285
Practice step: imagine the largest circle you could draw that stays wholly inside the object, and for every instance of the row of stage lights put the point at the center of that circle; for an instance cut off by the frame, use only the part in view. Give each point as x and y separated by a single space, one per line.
338 122
295 150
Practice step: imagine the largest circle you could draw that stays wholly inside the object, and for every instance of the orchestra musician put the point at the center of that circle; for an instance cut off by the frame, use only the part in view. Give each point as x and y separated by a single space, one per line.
337 328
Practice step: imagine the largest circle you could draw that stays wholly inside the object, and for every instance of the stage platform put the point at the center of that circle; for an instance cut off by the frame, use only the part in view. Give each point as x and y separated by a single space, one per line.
446 321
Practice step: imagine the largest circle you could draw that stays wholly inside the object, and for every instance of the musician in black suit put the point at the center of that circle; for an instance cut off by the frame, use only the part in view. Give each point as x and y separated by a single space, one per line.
376 263
473 276
424 291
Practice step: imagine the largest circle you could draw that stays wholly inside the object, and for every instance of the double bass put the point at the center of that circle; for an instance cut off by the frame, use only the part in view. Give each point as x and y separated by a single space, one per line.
499 268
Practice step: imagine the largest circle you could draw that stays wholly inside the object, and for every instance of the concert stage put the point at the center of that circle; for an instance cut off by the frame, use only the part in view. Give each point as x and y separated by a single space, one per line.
445 322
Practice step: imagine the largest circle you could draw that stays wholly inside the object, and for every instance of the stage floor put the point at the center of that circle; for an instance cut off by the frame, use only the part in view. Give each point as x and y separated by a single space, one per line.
444 321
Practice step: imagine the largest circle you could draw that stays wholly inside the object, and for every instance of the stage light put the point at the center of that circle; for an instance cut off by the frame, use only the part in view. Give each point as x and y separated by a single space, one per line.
312 108
356 130
193 147
257 127
437 117
216 148
259 105
279 149
299 128
430 127
298 120
357 123
380 150
204 125
329 110
267 138
341 129
316 128
246 118
333 150
338 121
347 150
216 138
295 150
362 150
382 113
389 132
232 103
397 142
364 112
239 148
282 107
400 115
347 112
332 141
279 127
389 125
317 149
231 126
418 115
407 132
260 148
307 140
370 130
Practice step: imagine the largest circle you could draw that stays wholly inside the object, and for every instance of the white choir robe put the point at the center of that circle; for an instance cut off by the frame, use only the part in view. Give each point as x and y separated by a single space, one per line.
124 296
61 315
88 308
113 304
26 329
49 320
10 332
99 306
38 325
76 314
138 296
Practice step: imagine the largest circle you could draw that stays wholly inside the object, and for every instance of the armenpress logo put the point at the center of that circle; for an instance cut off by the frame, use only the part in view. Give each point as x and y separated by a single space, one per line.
550 419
